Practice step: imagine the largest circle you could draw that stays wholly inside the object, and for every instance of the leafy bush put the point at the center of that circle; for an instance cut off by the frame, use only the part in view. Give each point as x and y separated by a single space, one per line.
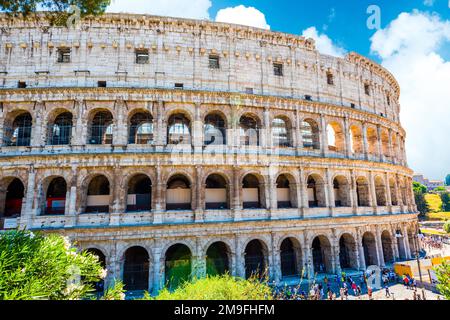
443 276
447 226
434 202
218 288
115 292
445 197
34 266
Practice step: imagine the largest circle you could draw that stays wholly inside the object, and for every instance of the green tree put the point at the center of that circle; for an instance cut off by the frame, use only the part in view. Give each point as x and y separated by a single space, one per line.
217 288
419 195
443 276
35 266
447 180
87 7
445 197
439 189
447 226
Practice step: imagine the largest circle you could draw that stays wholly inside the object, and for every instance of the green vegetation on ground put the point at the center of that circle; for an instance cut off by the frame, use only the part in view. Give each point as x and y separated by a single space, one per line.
434 202
443 276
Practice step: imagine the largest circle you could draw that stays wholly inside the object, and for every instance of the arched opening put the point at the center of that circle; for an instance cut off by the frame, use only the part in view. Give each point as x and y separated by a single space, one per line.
283 192
404 193
179 129
139 196
100 285
380 190
214 129
310 134
356 139
178 193
336 138
362 192
281 133
316 192
217 259
393 189
18 132
347 252
370 249
255 259
55 201
395 147
101 128
401 245
98 195
141 128
136 269
15 193
60 131
249 131
341 190
372 140
386 243
216 195
321 252
385 143
178 261
290 256
412 242
251 192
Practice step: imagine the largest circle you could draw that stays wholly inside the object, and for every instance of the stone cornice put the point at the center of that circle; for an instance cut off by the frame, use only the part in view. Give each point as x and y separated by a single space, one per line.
190 96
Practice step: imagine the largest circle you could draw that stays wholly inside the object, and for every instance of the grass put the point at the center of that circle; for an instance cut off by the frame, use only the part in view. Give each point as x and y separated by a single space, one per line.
432 231
438 216
434 202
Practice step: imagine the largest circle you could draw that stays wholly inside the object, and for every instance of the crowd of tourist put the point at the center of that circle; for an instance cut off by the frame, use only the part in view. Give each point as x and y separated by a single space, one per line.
431 242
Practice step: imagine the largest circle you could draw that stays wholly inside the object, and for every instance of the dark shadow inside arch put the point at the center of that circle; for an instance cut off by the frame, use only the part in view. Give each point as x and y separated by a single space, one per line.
347 252
55 201
255 259
178 265
370 249
216 196
99 286
386 243
321 251
217 259
139 196
289 256
14 199
136 269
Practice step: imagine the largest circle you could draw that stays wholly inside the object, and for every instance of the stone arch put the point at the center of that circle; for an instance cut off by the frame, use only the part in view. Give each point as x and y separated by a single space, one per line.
179 192
249 129
140 127
17 128
215 128
356 139
179 128
348 251
136 268
369 248
218 258
342 191
310 134
139 193
316 191
336 137
177 265
385 143
256 255
281 128
400 244
362 191
253 191
372 140
286 191
101 126
393 189
55 194
380 191
217 191
11 197
322 254
59 127
291 258
99 286
98 194
386 243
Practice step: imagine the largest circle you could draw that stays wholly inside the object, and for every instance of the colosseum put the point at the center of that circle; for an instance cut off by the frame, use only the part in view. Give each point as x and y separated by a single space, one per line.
174 148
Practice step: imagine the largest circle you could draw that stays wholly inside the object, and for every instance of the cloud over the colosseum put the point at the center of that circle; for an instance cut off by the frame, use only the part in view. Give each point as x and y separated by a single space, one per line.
195 9
323 43
241 14
414 47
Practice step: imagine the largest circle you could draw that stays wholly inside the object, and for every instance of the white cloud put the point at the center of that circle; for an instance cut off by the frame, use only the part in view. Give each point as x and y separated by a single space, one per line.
428 3
323 43
195 9
248 16
409 47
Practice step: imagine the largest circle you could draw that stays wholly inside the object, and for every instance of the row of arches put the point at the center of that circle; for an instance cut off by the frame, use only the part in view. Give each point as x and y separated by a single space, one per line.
179 261
141 130
216 194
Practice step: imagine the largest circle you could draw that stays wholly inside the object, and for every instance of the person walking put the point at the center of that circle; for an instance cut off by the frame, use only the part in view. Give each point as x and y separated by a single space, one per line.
369 292
388 293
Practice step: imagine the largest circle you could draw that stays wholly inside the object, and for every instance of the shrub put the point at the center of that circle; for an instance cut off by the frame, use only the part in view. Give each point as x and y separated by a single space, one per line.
218 288
443 276
447 226
34 266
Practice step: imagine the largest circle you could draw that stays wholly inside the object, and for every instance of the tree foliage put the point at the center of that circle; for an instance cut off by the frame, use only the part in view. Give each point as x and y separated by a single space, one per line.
87 7
34 266
218 288
445 197
447 180
419 195
443 276
447 226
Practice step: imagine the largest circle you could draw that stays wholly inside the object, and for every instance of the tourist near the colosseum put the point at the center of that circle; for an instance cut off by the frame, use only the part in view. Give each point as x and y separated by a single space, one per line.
180 151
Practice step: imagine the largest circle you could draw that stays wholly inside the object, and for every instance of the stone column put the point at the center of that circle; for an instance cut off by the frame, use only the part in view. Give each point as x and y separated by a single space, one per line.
199 195
237 189
71 213
158 271
160 204
379 143
80 131
372 190
365 142
276 260
38 127
391 152
118 198
379 246
348 148
160 129
197 137
298 132
330 190
324 135
240 258
120 134
362 259
336 259
406 242
388 192
26 216
272 192
265 135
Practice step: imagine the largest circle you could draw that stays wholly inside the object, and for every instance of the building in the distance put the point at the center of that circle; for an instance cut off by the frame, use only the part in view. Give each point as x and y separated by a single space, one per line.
171 147
430 184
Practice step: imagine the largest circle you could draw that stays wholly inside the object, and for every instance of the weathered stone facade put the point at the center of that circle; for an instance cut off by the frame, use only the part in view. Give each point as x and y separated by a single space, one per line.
350 194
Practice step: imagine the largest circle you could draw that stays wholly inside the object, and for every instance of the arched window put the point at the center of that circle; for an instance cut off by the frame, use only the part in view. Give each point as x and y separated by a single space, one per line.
178 193
380 190
14 197
216 195
393 187
139 197
214 130
141 128
310 134
370 249
341 192
385 143
98 195
335 137
283 192
372 140
280 133
19 133
255 259
249 131
348 252
60 131
179 129
101 128
251 192
178 265
56 197
321 252
362 192
356 139
100 285
217 259
136 269
316 192
290 258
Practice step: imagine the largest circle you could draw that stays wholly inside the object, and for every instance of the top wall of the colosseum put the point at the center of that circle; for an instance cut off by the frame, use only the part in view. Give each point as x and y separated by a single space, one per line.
104 49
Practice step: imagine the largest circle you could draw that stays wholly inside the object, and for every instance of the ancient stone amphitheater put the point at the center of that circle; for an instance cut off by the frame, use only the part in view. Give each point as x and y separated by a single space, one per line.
173 147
